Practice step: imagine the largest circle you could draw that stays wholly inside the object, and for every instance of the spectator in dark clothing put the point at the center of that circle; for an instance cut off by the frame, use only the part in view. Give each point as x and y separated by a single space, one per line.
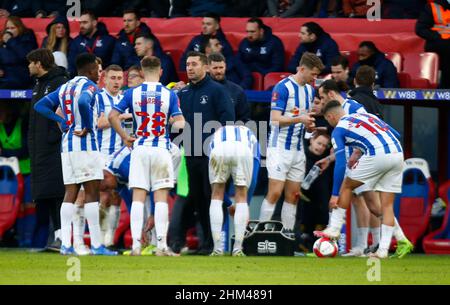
124 53
403 9
199 8
434 28
261 51
246 8
58 39
210 100
284 8
210 28
235 70
21 8
217 71
386 73
49 8
93 38
315 40
102 8
340 70
363 93
144 47
16 42
44 141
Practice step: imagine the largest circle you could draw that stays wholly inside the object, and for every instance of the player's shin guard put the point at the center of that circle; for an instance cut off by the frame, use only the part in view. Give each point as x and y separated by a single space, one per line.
112 217
161 224
91 211
79 223
241 216
288 212
398 232
216 219
386 236
267 209
136 222
66 214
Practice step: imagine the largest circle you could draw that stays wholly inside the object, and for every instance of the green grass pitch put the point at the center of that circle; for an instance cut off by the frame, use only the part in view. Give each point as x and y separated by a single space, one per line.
23 267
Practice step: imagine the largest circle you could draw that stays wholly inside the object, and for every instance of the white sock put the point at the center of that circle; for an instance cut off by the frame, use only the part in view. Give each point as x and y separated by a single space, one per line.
161 223
136 222
266 211
241 216
154 240
363 234
57 234
398 232
112 217
66 214
288 212
79 224
376 235
216 220
91 210
386 236
337 218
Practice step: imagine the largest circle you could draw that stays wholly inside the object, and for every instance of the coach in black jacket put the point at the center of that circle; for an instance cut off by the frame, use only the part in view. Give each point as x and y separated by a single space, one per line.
44 142
203 96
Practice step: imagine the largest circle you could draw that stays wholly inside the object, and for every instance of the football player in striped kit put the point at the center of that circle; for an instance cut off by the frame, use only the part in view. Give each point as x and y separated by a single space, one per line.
109 142
80 156
153 106
292 98
380 167
235 152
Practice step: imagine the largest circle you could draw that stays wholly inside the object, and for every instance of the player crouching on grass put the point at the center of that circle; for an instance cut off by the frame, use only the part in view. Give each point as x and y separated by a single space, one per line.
380 167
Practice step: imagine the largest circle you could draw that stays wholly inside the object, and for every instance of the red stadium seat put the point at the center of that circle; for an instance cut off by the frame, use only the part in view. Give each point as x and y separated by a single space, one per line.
257 81
404 79
423 68
176 56
287 58
396 59
438 242
271 79
11 193
413 206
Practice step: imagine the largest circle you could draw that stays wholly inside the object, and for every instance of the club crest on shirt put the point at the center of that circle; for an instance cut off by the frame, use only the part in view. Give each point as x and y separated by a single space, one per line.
204 99
263 50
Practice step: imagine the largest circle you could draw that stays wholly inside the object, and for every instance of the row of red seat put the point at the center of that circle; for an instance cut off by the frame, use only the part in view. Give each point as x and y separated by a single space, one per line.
414 70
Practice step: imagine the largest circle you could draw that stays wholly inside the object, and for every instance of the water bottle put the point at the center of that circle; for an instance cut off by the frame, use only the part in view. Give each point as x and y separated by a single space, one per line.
128 126
314 172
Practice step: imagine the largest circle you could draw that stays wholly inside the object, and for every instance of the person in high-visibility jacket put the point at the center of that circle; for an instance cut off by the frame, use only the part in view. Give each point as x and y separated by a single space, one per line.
433 25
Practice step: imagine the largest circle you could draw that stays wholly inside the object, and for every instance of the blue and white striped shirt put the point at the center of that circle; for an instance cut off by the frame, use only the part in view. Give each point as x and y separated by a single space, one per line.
242 134
69 96
151 105
108 139
366 132
292 100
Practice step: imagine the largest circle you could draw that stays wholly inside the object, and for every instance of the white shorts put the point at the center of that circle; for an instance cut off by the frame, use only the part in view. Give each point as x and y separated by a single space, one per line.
360 189
285 164
106 159
81 166
382 173
176 160
150 168
233 159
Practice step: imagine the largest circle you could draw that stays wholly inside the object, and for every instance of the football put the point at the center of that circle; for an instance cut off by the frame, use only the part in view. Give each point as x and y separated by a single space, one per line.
325 247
